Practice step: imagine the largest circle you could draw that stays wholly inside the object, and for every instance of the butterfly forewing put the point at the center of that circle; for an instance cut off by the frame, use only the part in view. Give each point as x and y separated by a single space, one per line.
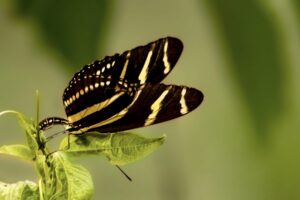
151 63
103 79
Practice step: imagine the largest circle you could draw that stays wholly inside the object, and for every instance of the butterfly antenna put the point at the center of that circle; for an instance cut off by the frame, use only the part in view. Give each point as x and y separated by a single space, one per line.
126 175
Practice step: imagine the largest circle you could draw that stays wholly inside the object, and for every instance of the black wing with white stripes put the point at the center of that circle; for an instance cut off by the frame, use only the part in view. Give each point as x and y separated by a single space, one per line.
152 104
123 91
100 80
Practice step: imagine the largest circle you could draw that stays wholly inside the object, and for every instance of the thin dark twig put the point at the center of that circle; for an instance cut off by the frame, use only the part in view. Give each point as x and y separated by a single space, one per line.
123 173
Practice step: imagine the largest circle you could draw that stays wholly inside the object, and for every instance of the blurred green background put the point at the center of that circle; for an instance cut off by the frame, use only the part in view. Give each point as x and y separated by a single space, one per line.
243 142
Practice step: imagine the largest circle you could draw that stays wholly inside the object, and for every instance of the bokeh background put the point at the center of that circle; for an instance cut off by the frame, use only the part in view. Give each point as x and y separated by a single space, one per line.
243 142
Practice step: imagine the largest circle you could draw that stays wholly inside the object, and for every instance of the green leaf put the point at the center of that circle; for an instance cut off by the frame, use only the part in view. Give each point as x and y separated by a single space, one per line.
119 148
42 167
69 181
23 190
30 130
73 29
18 150
29 127
252 44
126 148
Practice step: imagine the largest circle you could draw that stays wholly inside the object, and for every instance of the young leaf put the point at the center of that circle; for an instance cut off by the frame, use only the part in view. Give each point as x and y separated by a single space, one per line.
21 190
42 167
18 150
87 144
126 148
29 128
69 181
119 148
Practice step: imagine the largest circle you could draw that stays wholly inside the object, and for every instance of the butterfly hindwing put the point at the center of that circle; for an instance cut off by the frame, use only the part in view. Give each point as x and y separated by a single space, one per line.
151 104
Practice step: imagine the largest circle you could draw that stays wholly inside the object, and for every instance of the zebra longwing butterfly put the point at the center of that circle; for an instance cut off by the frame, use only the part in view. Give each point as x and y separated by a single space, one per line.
124 91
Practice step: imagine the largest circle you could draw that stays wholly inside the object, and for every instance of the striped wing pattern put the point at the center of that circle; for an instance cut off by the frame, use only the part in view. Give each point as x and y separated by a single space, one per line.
124 91
100 80
152 104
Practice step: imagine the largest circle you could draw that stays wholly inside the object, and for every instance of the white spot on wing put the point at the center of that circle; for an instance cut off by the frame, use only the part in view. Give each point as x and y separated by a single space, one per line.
91 87
125 66
144 71
165 59
184 108
155 108
81 92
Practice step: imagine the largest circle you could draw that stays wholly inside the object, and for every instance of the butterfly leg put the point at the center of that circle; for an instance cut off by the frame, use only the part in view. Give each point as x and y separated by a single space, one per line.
69 143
